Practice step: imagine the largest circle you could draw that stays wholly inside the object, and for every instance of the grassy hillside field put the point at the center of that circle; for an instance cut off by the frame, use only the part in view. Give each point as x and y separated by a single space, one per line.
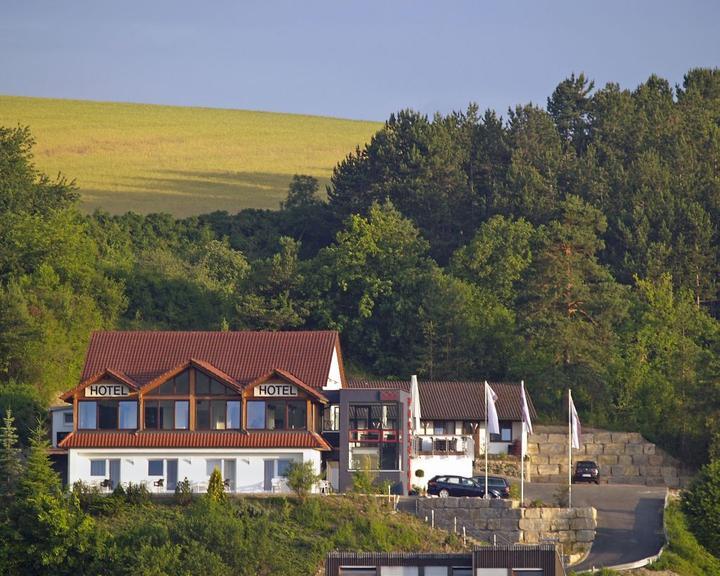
180 160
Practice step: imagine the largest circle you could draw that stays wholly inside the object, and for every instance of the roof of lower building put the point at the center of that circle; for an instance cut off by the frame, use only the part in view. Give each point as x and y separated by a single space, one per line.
194 439
456 400
244 356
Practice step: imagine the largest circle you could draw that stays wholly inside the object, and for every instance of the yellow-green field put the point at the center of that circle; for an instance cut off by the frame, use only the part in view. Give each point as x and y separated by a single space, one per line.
180 160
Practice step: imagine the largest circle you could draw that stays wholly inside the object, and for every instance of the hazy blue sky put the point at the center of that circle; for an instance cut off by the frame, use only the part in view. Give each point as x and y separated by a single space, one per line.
360 59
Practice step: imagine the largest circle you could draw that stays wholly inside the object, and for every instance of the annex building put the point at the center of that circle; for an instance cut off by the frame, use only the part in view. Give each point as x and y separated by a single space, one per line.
161 407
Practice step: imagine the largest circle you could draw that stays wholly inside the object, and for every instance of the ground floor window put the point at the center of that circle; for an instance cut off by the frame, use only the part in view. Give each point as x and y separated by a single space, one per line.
505 432
227 468
155 468
97 468
377 456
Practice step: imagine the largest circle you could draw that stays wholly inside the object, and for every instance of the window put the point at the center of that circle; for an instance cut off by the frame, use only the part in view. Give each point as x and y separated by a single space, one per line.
233 414
207 386
331 418
297 415
374 437
528 572
160 414
68 418
87 415
60 436
211 464
128 415
182 410
505 432
97 467
217 414
399 571
178 386
282 466
107 414
255 415
276 415
155 468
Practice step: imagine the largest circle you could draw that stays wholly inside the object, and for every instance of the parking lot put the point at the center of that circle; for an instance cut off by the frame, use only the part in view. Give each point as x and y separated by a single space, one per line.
629 518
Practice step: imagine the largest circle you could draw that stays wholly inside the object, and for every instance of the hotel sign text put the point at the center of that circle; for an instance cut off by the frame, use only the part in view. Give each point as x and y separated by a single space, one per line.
266 390
106 390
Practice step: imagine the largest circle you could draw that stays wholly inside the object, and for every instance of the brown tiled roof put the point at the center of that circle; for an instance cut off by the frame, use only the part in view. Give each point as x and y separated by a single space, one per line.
448 400
193 439
243 356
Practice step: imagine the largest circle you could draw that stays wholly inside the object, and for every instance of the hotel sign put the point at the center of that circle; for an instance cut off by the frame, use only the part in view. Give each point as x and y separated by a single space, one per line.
106 390
271 390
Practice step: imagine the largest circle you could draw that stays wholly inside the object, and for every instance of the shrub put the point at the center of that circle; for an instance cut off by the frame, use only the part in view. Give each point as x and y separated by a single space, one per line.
515 491
137 494
183 492
86 494
301 478
216 488
701 502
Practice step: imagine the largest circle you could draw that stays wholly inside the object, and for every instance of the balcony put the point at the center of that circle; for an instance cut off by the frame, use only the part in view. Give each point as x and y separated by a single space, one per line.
443 445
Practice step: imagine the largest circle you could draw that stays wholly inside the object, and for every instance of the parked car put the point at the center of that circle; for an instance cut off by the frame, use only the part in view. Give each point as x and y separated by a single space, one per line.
445 486
495 483
586 471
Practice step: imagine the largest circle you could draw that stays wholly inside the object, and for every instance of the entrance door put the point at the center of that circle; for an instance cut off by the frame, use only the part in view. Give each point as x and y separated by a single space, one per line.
172 474
269 475
114 473
229 475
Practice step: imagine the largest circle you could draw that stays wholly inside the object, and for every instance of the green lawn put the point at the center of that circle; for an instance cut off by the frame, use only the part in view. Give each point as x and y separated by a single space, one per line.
180 160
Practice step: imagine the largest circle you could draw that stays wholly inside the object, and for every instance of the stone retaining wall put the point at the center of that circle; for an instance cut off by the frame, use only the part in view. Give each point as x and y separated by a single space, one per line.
483 519
623 458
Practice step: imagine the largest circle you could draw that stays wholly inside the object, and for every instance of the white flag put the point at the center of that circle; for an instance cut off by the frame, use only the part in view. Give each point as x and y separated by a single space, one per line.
525 409
574 424
492 417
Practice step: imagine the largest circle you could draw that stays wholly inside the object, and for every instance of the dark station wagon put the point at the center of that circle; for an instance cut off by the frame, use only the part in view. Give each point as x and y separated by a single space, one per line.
495 483
444 486
586 471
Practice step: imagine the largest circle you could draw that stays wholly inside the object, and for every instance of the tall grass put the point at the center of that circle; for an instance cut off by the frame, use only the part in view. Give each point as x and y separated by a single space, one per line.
180 160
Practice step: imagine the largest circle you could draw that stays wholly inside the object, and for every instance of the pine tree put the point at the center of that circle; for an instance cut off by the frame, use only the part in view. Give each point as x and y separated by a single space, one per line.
10 463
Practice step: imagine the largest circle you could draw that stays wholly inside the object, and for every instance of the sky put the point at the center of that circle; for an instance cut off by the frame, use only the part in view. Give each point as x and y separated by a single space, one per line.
352 59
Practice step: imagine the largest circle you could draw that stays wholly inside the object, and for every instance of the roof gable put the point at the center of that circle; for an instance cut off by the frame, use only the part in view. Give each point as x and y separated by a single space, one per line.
105 373
241 356
287 377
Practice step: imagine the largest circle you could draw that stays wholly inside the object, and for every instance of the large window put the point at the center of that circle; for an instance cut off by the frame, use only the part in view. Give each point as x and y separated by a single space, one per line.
160 414
217 414
276 415
128 415
373 416
374 437
182 414
87 418
107 415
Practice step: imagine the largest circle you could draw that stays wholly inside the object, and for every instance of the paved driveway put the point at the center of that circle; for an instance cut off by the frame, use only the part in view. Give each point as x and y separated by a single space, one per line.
629 518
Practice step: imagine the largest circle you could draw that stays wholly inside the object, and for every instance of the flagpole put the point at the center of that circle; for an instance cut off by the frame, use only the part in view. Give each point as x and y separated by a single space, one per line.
487 438
569 448
523 439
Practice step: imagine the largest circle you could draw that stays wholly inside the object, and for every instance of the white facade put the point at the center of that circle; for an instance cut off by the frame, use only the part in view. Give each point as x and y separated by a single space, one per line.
255 470
61 423
502 447
334 379
439 464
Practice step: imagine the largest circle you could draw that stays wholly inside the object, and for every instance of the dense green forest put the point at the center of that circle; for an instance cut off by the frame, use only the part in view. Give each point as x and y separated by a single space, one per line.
575 245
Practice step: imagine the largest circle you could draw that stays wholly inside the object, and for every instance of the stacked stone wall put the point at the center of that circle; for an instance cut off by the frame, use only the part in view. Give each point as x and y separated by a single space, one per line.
484 520
623 458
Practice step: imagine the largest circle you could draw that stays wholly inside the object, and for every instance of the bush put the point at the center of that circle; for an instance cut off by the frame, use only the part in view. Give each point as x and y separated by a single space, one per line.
301 478
216 488
364 479
137 494
183 492
701 502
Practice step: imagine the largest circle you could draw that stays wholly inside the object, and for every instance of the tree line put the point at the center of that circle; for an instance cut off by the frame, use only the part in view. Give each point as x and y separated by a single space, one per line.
571 246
